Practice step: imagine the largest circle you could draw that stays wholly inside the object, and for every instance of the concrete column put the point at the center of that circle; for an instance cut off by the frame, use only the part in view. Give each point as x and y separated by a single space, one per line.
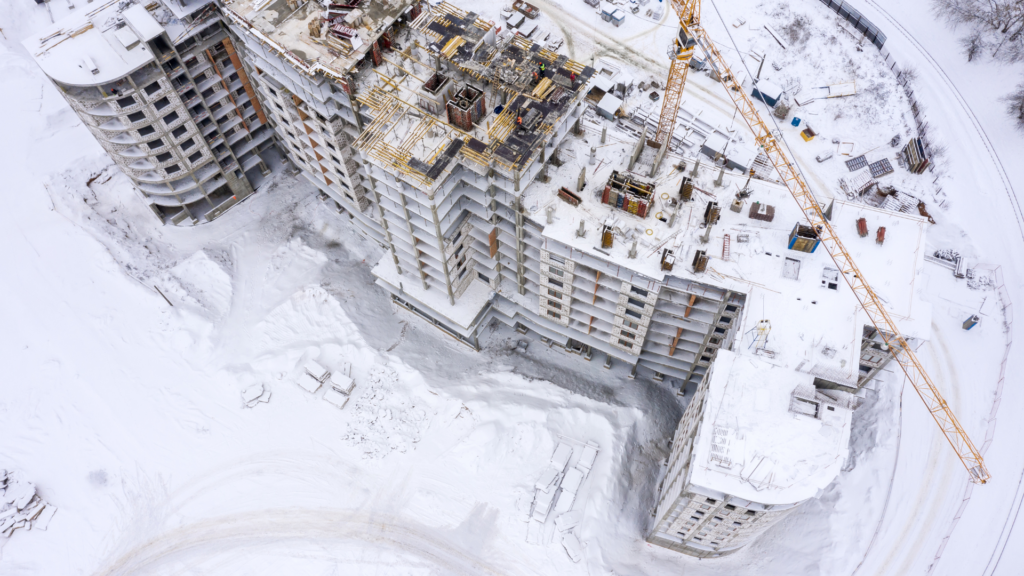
444 259
412 233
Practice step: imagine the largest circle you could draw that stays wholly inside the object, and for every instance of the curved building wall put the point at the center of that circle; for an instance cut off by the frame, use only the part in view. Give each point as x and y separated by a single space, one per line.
184 126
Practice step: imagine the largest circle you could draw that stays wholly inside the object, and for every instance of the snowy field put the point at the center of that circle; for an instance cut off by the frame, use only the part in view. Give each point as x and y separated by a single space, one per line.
125 409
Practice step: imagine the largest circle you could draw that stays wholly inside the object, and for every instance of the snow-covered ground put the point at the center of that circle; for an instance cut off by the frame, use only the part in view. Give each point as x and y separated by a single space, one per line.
125 409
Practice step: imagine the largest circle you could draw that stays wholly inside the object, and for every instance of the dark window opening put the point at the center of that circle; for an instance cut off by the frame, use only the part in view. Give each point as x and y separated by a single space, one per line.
162 103
154 144
193 158
136 117
188 143
172 169
152 88
179 132
163 157
126 102
146 130
171 118
643 293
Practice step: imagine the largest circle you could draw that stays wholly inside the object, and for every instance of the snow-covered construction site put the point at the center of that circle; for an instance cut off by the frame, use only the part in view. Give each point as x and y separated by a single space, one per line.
450 287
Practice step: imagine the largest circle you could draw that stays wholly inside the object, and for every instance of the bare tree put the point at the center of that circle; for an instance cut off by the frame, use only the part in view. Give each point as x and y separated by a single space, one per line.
972 44
1015 105
998 24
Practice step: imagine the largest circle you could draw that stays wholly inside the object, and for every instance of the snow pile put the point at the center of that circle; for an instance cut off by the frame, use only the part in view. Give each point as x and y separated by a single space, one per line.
20 506
385 422
255 394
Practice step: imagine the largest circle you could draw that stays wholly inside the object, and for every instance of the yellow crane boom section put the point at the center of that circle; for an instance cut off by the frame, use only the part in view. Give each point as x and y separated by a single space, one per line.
693 34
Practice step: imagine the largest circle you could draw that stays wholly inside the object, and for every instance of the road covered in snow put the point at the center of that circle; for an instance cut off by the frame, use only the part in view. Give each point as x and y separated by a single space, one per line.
123 405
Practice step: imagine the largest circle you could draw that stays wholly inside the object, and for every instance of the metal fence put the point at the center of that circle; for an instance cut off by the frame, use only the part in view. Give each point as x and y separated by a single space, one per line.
877 37
862 24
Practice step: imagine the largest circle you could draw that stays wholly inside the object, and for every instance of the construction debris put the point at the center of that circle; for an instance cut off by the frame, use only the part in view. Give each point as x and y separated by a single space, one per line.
20 506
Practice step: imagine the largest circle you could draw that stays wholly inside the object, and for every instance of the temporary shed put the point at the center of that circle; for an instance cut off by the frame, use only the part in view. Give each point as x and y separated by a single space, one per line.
767 91
527 29
515 20
608 106
618 17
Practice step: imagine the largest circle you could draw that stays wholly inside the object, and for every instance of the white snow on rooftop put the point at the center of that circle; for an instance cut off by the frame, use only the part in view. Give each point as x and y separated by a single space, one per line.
813 328
751 446
60 49
142 22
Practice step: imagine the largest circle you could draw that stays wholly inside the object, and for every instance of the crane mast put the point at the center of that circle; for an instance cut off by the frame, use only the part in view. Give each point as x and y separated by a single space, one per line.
691 35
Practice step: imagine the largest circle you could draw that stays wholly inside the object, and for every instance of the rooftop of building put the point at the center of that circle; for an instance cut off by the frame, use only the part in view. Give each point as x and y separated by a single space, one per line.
759 441
537 87
329 37
99 44
816 322
87 48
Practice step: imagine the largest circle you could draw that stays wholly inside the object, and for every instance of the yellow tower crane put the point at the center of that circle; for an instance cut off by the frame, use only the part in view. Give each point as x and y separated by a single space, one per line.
692 34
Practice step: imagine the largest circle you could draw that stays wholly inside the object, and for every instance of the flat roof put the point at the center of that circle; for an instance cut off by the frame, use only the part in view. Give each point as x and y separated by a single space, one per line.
278 24
61 48
814 329
749 444
142 22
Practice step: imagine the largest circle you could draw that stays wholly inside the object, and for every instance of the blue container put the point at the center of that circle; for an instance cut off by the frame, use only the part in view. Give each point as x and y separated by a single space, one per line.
498 109
796 122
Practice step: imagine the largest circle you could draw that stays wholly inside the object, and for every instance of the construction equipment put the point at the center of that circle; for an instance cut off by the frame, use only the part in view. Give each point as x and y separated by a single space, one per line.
692 34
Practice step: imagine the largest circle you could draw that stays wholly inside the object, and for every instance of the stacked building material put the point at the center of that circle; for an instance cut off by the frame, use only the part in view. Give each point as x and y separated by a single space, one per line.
628 194
915 157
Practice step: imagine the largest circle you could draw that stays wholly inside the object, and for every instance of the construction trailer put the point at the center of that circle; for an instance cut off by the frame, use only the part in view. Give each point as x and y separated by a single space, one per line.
767 91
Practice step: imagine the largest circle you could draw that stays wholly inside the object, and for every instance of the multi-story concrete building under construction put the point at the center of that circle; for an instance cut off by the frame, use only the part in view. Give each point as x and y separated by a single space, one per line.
171 103
471 156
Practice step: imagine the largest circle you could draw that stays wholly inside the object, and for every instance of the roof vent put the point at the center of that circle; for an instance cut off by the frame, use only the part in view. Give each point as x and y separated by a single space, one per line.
90 65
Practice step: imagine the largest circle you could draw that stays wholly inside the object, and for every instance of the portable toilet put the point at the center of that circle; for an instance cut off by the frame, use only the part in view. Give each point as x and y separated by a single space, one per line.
618 17
606 11
767 91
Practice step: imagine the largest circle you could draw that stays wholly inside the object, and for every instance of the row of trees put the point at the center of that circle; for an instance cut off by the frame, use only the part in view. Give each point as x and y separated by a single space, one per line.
995 28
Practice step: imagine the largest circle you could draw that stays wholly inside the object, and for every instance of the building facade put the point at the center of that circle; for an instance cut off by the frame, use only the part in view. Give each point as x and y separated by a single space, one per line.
171 105
469 157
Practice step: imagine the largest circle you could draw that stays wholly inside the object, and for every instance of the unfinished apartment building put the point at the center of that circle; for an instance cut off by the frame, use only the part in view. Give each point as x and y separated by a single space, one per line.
441 141
164 93
471 157
768 426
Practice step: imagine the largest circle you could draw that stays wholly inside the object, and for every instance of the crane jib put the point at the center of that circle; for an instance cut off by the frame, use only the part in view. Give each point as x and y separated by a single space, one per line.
691 34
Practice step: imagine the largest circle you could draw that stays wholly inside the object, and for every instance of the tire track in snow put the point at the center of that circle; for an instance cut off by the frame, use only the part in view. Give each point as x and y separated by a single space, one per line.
239 534
1015 203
